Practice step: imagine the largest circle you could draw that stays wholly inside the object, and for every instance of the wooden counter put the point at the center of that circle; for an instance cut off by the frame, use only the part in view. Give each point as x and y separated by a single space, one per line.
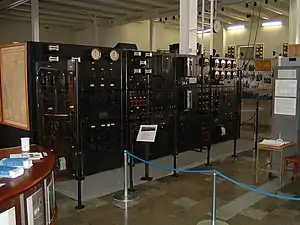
29 199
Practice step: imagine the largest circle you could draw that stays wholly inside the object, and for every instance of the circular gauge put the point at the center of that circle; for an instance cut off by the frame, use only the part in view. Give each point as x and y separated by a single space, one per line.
217 63
96 54
114 55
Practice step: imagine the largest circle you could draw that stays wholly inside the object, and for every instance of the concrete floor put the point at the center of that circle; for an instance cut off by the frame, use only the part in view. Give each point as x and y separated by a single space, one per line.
186 200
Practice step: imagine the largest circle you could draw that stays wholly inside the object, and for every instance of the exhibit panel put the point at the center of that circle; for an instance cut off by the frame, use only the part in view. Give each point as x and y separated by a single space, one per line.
14 89
29 199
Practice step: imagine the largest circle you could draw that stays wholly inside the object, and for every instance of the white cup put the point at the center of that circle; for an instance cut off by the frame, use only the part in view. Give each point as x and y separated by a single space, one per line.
25 144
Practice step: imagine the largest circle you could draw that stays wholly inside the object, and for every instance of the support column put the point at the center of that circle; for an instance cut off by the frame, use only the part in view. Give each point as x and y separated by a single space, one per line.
188 27
151 34
294 22
96 31
35 20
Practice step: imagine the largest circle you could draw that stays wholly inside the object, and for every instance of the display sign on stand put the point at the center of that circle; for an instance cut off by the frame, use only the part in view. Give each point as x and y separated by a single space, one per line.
147 133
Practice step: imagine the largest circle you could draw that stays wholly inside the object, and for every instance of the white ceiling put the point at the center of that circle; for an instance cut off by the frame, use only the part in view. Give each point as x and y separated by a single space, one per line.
79 13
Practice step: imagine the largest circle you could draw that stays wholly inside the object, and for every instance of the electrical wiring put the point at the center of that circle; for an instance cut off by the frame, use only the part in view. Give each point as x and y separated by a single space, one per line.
256 32
250 34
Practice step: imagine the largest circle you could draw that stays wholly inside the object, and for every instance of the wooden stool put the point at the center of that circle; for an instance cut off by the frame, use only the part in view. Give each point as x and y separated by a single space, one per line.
295 160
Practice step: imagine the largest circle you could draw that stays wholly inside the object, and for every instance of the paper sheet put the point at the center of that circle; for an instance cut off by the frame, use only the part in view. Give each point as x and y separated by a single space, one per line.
147 133
8 217
286 88
287 74
285 106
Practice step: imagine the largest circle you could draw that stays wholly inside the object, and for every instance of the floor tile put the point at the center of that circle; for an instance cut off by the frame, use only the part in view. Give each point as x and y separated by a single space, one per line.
254 213
186 203
284 212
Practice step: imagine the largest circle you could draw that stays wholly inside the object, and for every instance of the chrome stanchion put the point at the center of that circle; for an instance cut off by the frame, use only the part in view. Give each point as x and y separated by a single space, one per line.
213 220
125 195
214 206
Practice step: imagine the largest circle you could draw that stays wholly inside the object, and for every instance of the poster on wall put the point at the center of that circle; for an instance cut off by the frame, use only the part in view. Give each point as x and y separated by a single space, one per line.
14 89
285 106
36 208
263 65
8 217
286 88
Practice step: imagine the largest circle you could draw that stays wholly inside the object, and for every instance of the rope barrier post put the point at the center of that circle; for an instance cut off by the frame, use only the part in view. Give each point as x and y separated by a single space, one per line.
256 126
131 165
125 196
214 201
146 176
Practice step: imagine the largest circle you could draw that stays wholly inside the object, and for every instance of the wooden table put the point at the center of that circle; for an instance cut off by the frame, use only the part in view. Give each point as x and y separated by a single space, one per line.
30 199
271 149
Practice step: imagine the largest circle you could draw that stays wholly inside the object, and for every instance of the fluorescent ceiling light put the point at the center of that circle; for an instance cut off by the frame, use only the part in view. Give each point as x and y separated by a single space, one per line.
265 18
272 10
272 24
237 27
204 31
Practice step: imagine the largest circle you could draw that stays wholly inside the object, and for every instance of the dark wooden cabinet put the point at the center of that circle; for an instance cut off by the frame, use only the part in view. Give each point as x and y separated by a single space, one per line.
29 199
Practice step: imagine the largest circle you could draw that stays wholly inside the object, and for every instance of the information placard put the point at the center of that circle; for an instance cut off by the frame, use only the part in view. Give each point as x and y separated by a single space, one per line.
147 133
286 88
285 106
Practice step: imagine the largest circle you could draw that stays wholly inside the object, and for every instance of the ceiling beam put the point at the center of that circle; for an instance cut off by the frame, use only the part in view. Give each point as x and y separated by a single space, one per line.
57 19
127 5
9 4
43 22
84 5
66 9
276 10
248 11
55 13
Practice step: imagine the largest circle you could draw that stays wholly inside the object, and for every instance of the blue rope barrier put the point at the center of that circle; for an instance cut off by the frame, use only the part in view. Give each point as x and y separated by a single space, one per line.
218 173
170 168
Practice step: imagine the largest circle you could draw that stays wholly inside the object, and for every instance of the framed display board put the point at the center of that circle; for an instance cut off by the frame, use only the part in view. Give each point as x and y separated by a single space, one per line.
14 86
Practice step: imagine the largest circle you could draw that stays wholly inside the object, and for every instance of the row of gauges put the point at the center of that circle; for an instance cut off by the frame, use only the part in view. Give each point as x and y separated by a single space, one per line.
259 51
223 75
96 54
285 49
221 63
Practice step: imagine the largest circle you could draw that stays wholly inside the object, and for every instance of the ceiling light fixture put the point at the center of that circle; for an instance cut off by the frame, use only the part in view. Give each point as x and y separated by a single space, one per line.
265 18
236 27
272 10
272 24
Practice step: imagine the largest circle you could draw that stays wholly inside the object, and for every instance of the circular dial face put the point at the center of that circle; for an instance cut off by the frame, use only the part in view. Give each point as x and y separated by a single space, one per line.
217 26
96 54
114 55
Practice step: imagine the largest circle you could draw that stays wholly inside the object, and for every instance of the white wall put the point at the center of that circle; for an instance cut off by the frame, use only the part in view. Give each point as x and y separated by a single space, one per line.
139 34
15 31
164 35
272 38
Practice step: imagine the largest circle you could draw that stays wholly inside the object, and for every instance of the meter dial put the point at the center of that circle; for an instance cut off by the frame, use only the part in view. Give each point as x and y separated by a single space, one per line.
96 54
114 55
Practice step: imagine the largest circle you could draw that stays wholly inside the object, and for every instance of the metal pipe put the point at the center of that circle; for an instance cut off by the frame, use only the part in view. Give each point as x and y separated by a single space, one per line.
202 28
35 20
125 176
96 31
214 205
211 27
256 126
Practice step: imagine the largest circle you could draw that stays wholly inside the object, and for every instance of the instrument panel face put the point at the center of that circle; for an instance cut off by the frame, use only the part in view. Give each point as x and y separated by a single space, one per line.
120 90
